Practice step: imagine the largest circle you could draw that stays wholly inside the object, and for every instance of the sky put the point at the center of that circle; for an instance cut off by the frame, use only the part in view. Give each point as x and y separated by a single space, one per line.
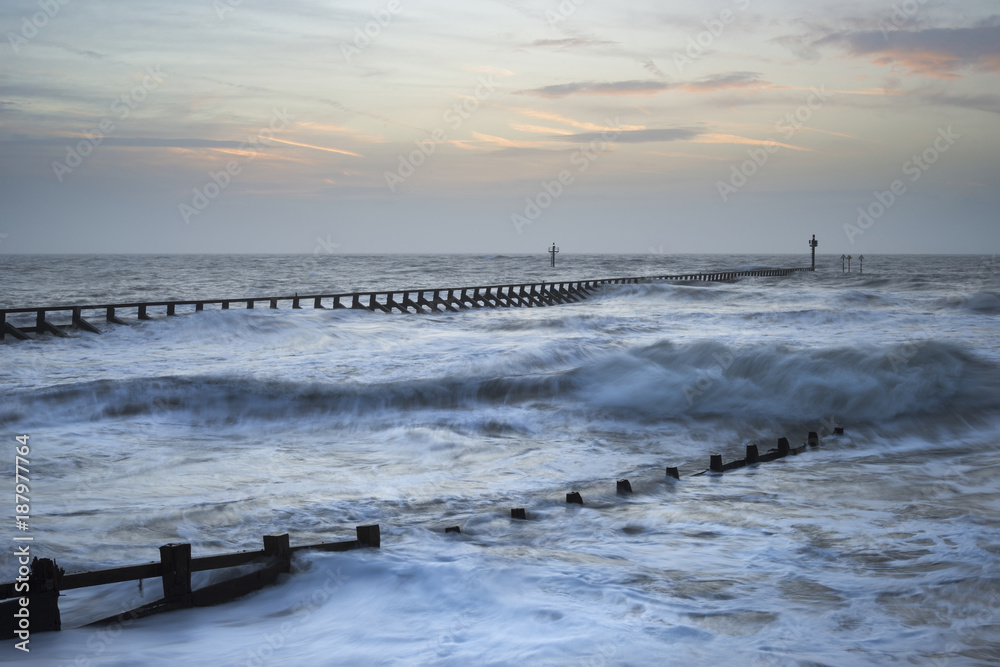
499 126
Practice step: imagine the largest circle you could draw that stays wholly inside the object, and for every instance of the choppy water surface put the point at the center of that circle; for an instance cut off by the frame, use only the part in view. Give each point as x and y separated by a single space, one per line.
878 547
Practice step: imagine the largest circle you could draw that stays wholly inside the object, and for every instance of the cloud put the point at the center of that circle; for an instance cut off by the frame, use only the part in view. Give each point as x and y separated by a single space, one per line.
571 42
707 84
633 136
715 138
934 52
727 80
129 142
634 87
988 102
572 122
650 66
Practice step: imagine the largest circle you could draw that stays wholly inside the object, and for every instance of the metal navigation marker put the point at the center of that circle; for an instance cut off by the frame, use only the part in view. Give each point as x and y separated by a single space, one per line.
812 244
843 259
848 263
861 265
553 252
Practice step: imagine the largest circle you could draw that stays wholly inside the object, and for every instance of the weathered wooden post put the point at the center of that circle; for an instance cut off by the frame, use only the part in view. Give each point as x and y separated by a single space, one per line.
370 536
81 323
41 326
574 498
813 439
453 529
171 309
673 472
783 447
44 602
624 488
715 463
752 454
175 561
838 430
518 513
279 547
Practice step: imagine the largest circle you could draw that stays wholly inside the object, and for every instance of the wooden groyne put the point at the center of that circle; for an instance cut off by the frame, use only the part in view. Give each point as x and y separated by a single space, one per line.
32 599
405 301
41 584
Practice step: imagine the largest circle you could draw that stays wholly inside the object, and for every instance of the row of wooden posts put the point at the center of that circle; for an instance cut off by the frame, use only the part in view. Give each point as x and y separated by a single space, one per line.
46 580
405 301
623 487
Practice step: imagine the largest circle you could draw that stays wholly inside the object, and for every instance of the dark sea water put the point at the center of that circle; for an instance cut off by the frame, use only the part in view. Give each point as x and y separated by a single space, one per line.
878 547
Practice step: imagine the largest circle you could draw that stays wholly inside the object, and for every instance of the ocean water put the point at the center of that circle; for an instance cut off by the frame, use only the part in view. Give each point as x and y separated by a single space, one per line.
881 546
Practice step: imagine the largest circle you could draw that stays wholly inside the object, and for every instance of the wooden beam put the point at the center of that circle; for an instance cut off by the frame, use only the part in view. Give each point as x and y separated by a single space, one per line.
237 587
109 576
7 328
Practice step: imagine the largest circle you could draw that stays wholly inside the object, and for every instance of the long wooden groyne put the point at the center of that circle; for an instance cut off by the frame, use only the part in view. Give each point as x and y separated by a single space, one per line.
31 601
405 301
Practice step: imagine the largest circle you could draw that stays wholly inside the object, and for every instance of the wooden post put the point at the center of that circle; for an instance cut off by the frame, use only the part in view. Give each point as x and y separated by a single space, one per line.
175 559
752 454
142 313
518 513
370 536
278 546
574 498
200 306
249 304
783 447
624 488
673 472
715 463
453 529
295 304
318 302
44 586
813 439
838 430
170 309
41 326
81 323
274 304
225 305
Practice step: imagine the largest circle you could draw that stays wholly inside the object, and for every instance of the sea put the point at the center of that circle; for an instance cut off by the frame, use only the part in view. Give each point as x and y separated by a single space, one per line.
880 546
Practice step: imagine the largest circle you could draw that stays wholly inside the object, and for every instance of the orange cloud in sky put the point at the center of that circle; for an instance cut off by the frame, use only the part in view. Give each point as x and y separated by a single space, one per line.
712 138
319 148
583 125
539 129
